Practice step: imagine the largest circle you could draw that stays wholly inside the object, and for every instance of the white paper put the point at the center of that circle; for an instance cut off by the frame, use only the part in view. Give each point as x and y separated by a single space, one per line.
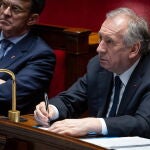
43 128
121 143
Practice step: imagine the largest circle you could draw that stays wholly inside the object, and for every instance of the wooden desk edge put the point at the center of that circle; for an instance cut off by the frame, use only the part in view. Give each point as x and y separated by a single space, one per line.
25 131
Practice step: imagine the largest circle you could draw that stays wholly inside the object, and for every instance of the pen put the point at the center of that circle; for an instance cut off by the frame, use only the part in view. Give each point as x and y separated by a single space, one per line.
46 105
46 101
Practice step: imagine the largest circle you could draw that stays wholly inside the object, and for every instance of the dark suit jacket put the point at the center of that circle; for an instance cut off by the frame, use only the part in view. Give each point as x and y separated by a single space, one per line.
92 92
32 61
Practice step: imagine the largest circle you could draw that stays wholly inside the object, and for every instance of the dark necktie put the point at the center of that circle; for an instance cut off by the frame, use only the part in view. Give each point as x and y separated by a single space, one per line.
116 97
4 45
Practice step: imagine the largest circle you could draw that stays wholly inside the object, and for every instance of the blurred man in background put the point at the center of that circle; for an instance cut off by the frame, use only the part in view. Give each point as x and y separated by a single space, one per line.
26 55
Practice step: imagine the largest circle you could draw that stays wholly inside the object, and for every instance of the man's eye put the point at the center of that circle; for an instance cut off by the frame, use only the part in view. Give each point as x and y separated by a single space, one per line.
109 41
4 5
16 9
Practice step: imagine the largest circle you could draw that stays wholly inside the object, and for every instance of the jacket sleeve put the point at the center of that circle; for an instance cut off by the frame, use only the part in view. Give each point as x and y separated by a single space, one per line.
73 102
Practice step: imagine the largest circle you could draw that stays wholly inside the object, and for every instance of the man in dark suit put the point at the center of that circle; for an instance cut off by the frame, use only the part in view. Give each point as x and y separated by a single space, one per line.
123 54
27 55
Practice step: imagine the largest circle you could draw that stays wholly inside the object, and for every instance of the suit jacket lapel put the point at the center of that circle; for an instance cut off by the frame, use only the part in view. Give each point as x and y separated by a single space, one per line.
132 85
129 93
16 52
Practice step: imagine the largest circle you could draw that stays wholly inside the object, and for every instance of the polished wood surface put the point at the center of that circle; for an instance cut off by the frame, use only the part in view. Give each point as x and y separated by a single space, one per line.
24 136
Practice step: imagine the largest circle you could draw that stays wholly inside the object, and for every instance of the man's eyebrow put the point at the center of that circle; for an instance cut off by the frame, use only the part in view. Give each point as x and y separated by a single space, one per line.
101 35
16 5
12 3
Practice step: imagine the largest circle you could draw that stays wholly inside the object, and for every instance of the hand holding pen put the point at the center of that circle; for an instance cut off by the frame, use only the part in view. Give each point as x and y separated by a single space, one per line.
46 105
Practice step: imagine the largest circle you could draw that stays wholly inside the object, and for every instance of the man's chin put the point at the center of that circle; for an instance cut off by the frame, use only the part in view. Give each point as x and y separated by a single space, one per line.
104 64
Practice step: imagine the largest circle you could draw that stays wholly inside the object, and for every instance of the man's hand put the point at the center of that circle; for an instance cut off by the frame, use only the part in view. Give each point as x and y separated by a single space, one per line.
76 127
42 116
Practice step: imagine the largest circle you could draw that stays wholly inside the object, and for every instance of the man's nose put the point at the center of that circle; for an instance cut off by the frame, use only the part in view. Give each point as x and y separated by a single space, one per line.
101 47
7 11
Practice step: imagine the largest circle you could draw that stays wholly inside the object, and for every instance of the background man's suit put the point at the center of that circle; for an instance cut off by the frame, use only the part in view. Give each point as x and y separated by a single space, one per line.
93 92
32 62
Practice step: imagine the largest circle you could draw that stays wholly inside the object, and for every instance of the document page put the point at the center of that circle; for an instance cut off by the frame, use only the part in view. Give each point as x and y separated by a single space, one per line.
41 127
120 143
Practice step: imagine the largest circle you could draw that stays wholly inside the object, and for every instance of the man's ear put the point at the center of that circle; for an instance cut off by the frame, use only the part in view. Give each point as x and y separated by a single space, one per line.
135 50
33 19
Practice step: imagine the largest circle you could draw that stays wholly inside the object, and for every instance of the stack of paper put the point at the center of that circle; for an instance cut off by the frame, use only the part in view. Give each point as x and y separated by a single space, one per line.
121 143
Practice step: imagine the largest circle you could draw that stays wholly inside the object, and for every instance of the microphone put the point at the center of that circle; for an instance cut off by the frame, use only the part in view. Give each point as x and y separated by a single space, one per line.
13 115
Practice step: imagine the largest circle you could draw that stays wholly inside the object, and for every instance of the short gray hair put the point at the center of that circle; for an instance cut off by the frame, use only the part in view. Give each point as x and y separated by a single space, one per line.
138 29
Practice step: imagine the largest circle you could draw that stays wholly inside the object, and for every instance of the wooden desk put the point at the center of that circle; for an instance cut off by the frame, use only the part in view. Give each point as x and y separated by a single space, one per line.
23 136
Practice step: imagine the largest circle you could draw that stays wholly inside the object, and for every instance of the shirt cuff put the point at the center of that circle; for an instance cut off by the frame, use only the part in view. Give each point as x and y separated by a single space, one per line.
56 114
104 127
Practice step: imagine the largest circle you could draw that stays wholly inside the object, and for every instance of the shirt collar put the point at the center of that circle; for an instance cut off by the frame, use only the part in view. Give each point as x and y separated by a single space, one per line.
14 40
124 77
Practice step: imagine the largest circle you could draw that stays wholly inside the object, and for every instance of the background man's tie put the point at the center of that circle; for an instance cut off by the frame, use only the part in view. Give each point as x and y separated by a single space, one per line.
4 45
116 97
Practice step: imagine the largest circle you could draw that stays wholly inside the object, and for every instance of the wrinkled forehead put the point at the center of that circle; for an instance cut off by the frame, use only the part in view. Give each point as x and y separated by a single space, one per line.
18 2
114 25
